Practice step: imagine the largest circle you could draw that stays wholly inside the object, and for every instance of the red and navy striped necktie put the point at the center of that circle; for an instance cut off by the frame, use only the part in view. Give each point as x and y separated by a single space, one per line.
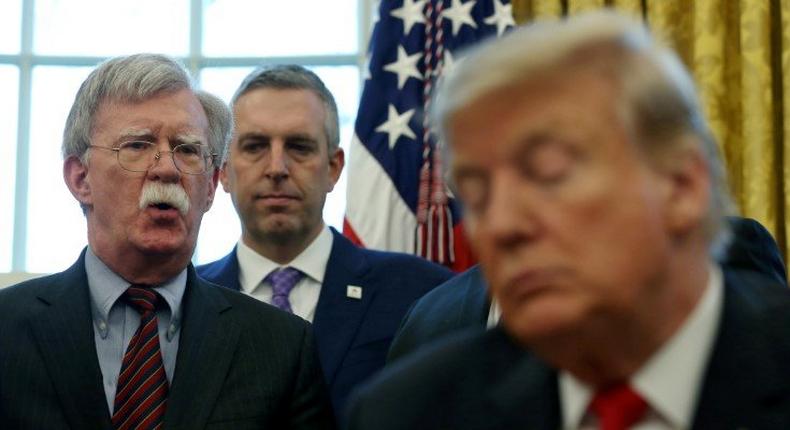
141 393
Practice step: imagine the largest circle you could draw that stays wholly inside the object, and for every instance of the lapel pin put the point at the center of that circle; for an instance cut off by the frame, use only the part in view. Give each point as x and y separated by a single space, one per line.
354 292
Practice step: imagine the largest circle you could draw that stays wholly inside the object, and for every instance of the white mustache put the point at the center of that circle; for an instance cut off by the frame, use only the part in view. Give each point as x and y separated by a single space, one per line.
172 194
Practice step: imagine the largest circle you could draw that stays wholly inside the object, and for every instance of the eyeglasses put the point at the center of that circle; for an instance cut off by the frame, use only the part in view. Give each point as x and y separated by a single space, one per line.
139 156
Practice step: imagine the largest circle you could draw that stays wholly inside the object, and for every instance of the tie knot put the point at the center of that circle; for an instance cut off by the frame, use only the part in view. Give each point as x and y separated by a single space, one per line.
141 298
618 407
284 279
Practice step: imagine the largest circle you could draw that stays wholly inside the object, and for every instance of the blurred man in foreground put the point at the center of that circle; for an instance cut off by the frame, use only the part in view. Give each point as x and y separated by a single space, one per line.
594 199
463 301
283 160
129 337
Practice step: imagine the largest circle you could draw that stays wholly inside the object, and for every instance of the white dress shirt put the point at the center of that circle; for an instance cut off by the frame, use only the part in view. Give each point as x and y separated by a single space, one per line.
671 379
253 268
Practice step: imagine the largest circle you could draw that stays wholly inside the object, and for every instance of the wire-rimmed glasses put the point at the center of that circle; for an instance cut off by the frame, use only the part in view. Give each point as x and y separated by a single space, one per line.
139 156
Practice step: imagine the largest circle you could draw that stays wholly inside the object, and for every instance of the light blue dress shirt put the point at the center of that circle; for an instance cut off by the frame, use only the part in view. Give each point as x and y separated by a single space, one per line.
114 322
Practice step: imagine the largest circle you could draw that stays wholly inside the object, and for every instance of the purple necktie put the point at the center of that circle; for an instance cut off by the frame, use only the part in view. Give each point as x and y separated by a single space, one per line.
283 281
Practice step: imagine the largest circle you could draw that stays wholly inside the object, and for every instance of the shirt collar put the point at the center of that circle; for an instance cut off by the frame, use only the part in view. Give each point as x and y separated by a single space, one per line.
106 287
671 379
312 261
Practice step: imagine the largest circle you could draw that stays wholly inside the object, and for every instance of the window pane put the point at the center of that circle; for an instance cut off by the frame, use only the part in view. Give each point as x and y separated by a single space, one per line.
279 28
220 229
111 27
10 26
9 86
223 81
56 227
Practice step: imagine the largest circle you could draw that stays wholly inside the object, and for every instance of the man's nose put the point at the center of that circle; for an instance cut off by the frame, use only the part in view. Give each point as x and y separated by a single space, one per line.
164 167
277 162
511 217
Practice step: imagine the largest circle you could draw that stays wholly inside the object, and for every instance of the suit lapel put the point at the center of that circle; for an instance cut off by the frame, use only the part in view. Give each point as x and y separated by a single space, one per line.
744 361
337 316
64 332
203 355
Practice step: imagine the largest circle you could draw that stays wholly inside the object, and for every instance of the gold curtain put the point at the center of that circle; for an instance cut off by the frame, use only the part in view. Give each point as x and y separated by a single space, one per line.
739 54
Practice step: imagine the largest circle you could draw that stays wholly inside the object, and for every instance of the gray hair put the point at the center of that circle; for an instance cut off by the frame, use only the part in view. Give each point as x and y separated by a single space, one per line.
136 78
658 97
295 77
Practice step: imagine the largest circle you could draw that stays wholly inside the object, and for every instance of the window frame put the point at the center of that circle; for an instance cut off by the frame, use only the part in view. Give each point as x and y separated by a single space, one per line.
26 59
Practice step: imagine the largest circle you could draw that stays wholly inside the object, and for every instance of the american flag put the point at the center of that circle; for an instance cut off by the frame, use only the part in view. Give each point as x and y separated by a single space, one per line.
397 198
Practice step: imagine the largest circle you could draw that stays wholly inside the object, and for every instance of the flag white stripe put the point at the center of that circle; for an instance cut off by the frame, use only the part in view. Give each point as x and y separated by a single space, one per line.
375 209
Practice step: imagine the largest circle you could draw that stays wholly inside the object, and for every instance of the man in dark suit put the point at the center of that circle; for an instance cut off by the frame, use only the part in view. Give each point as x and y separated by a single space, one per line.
283 160
595 216
129 336
463 302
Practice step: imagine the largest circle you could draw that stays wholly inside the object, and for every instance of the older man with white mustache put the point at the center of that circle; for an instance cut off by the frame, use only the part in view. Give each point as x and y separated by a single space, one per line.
129 337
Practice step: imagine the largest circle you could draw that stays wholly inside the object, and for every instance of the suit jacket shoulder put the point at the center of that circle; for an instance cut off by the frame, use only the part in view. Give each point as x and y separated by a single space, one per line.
459 303
49 373
223 272
753 248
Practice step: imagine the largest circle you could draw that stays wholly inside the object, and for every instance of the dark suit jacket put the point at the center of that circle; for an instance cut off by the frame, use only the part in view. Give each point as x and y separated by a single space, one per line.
459 303
753 248
462 301
241 364
482 380
353 335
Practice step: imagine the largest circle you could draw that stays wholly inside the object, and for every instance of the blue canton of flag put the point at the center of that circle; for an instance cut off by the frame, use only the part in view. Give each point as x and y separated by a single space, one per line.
397 198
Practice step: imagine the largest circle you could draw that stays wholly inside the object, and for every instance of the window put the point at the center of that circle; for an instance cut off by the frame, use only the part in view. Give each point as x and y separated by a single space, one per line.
48 47
9 84
10 24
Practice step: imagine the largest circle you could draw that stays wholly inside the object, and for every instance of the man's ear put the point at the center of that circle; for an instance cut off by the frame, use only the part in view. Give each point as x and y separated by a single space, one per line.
75 174
223 177
212 189
689 197
336 163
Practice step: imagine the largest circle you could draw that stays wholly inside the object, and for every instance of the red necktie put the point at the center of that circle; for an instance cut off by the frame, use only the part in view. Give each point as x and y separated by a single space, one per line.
618 407
141 394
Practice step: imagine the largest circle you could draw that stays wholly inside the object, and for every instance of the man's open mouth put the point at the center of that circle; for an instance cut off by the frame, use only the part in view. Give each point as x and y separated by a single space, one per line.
162 206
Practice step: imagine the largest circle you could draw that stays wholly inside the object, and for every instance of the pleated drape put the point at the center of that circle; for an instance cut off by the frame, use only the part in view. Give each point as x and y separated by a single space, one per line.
738 52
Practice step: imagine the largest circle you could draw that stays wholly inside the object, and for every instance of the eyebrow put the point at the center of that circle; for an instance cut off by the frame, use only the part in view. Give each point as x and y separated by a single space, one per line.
189 138
135 132
301 136
253 135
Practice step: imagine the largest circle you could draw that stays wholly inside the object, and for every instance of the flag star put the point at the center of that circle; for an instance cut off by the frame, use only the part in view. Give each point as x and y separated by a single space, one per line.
410 13
502 17
397 125
405 66
460 13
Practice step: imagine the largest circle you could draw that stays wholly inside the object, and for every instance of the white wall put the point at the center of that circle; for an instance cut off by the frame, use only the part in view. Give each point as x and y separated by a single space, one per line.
12 278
